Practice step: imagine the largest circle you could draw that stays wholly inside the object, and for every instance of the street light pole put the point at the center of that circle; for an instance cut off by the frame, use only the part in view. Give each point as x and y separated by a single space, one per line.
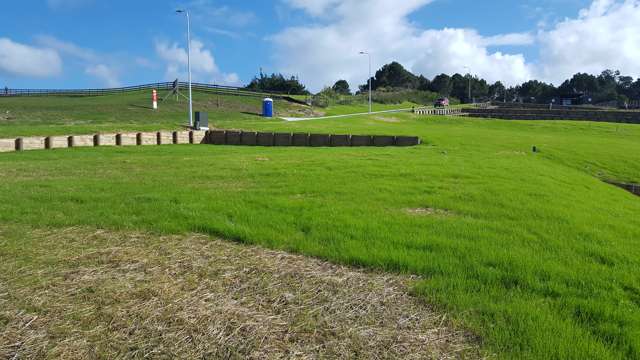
189 64
369 55
469 74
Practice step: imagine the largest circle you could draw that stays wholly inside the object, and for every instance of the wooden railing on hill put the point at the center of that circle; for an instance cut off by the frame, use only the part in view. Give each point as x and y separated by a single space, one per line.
160 86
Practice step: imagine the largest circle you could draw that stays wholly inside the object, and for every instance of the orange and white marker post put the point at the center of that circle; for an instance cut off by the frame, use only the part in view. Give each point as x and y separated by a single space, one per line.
154 98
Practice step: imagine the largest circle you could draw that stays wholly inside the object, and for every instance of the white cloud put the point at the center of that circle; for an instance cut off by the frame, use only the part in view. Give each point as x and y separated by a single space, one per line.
328 50
605 35
24 60
203 64
67 48
211 13
100 66
509 39
450 50
106 74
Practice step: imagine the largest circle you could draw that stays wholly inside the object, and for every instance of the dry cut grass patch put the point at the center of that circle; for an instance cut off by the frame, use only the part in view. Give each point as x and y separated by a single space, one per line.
80 293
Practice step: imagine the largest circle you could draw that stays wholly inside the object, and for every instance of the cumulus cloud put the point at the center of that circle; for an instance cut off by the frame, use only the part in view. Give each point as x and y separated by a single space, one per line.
203 64
67 48
328 49
106 74
606 35
98 65
24 60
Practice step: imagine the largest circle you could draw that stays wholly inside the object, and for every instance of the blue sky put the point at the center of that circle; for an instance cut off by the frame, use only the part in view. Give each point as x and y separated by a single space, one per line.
91 43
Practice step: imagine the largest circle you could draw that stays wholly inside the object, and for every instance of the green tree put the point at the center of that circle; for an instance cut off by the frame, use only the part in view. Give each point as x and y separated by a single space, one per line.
442 85
277 83
497 91
342 87
393 76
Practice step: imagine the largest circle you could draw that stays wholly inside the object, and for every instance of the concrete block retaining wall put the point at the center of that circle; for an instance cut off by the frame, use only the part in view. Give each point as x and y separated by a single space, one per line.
7 145
56 142
628 117
81 140
29 143
126 139
181 137
123 139
215 137
147 139
164 138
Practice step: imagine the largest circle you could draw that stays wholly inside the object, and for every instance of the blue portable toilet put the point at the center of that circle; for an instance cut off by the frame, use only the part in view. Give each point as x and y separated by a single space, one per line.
267 107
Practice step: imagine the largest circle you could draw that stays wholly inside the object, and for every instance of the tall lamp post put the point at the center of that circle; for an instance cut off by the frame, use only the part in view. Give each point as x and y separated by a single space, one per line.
369 55
182 11
469 74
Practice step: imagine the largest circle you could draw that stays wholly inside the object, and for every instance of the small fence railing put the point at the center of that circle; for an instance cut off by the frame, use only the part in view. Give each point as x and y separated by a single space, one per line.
166 86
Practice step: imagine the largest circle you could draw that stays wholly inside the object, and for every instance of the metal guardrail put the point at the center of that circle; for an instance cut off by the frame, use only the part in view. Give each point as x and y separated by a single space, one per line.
168 86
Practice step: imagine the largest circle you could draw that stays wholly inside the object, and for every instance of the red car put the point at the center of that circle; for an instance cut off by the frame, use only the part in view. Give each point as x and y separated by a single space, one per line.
442 102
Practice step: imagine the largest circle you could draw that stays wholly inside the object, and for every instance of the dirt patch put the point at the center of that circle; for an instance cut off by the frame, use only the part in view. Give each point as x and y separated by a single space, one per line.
427 211
388 119
82 293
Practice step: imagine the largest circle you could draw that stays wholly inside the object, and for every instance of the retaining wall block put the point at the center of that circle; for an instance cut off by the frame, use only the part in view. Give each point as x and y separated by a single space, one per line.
164 138
29 143
282 139
360 140
217 137
104 140
80 140
197 137
7 145
56 142
181 137
234 138
319 140
32 143
265 139
127 139
300 139
381 140
407 141
147 139
340 140
249 138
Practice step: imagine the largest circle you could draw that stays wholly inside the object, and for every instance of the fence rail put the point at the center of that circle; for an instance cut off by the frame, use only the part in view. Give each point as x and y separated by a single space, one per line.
168 86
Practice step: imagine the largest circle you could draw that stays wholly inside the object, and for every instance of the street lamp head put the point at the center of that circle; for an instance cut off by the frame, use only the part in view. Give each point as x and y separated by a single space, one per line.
179 11
363 53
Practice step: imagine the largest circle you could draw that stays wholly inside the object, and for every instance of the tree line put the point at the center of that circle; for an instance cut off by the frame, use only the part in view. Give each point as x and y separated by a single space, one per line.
608 86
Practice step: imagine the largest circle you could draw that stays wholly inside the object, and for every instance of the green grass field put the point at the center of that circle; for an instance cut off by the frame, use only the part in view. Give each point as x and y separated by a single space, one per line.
33 116
532 252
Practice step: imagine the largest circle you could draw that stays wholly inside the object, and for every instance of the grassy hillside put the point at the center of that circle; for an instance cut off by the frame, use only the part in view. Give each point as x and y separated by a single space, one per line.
531 251
27 116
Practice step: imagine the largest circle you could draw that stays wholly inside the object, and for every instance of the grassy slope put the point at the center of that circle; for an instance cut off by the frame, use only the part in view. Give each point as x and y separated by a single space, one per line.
32 116
530 251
